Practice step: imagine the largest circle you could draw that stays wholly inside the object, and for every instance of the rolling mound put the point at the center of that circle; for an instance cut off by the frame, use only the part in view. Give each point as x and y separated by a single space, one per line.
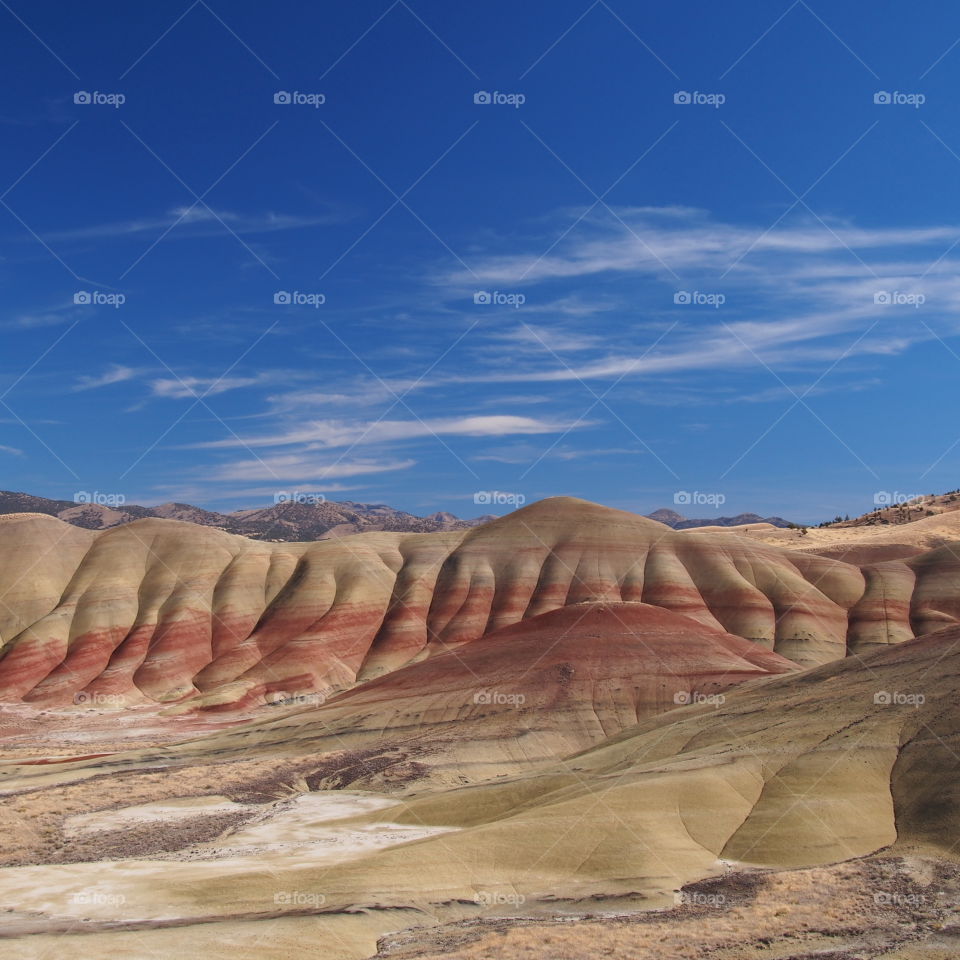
163 611
519 697
862 541
858 758
567 710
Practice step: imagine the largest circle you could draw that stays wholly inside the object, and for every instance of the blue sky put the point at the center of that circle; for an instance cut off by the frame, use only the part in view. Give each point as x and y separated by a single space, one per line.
752 295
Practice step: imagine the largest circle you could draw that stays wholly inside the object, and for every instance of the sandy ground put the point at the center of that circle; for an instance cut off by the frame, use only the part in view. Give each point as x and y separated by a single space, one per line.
51 735
82 864
904 539
305 831
880 907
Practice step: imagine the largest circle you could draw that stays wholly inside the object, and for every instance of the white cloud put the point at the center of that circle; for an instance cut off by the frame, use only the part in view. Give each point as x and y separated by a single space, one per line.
341 433
712 348
298 468
13 451
525 453
32 321
798 299
179 388
800 294
193 217
645 241
563 341
116 374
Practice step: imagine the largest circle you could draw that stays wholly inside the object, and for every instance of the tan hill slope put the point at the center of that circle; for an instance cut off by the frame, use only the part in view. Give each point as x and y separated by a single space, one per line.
852 759
160 611
889 533
512 700
569 710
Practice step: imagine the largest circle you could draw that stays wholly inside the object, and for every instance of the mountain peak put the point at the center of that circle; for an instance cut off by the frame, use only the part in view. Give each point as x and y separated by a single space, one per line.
679 522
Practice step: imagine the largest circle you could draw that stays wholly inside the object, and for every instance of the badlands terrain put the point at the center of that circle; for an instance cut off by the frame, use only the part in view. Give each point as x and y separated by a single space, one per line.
569 732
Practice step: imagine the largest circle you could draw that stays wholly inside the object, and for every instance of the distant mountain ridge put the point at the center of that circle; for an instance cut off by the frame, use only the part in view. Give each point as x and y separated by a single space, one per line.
298 521
290 521
679 522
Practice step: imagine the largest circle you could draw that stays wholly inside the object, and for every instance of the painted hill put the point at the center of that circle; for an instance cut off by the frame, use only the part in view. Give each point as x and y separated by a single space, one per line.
513 699
853 762
164 611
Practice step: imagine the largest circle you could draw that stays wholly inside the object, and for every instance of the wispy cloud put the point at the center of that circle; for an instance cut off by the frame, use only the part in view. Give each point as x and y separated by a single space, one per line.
792 391
799 300
300 468
115 374
650 241
525 453
340 433
191 387
804 293
46 316
195 219
31 321
186 387
559 339
180 388
13 451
